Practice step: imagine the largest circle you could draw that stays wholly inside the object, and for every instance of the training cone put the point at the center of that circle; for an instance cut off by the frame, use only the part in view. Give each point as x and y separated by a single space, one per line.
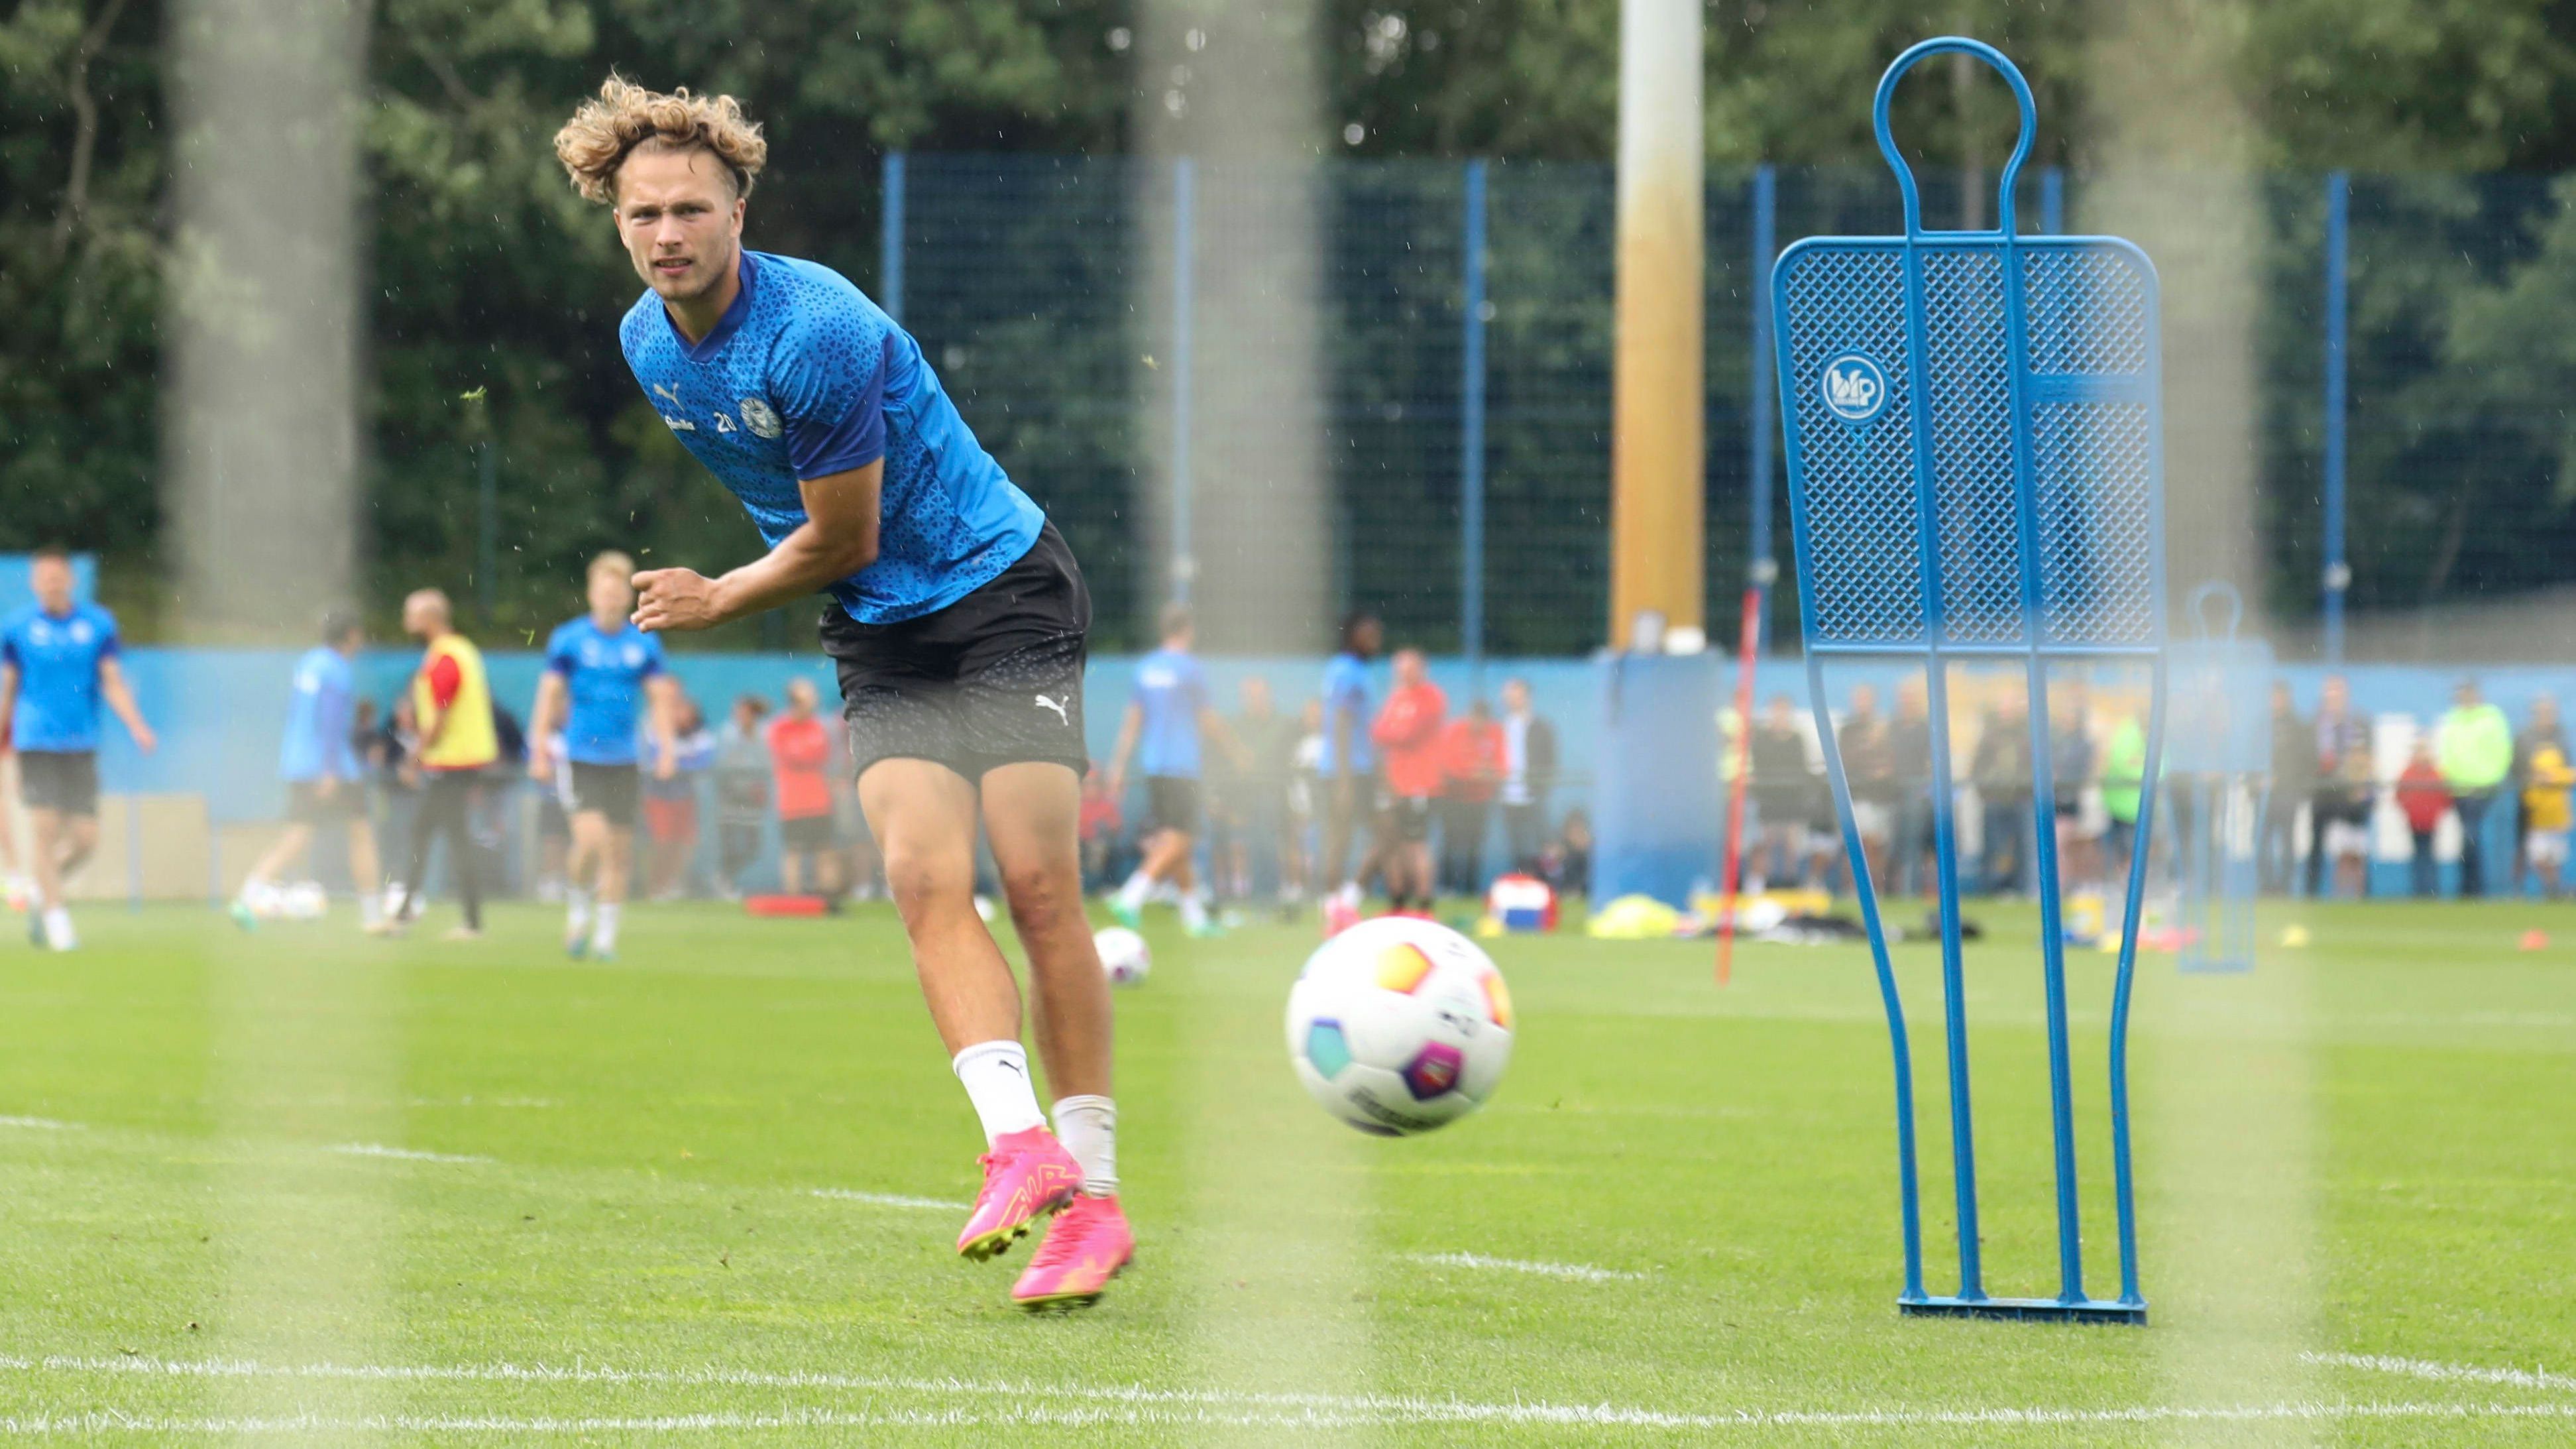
2534 941
2294 937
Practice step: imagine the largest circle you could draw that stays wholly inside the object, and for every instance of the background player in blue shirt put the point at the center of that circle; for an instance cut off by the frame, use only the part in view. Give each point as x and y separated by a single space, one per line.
1349 771
604 687
57 662
325 783
958 620
1169 721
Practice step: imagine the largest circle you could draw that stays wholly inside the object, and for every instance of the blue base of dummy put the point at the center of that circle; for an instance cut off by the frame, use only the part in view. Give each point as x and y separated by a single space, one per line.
1658 811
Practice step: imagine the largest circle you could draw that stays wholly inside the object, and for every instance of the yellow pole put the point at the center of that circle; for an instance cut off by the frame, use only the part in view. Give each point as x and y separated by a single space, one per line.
1657 522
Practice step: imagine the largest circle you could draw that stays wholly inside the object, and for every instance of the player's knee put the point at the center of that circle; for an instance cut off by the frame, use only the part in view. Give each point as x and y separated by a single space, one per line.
922 885
1042 891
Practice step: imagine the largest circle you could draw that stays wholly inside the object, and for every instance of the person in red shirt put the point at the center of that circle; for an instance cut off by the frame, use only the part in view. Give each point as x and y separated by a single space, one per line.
2424 798
1472 765
800 754
1407 733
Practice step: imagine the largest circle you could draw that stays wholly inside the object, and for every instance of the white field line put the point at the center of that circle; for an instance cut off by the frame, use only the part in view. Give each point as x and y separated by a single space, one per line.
1584 1271
40 1124
378 1149
2456 1373
889 1199
1078 1403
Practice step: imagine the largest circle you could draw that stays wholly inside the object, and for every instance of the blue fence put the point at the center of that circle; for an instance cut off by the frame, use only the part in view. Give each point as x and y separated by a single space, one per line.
2409 450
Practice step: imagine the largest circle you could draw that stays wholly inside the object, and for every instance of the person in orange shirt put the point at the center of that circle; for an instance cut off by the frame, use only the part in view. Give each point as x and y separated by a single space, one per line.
1473 762
1407 732
800 752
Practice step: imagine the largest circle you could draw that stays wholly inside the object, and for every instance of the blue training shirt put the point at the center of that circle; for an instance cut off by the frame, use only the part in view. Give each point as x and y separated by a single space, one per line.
805 377
604 676
318 720
57 657
1346 696
1171 690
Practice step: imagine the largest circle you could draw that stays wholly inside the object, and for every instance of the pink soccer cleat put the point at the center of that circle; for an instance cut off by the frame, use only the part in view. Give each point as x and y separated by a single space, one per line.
1340 914
1027 1174
1086 1248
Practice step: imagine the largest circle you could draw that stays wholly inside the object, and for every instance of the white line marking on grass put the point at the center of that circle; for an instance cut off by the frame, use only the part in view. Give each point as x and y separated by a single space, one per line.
378 1149
890 1199
2445 1372
1584 1271
41 1124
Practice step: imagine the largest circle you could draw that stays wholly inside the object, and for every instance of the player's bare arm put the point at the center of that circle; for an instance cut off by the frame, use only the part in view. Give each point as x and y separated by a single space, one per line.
8 698
119 694
838 538
1130 725
662 694
544 718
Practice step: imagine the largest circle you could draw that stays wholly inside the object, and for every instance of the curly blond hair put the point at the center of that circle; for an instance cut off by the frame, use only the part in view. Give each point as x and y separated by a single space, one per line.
604 132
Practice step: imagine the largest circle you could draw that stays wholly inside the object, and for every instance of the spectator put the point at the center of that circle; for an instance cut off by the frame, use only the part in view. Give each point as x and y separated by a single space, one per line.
2423 799
1098 830
1471 762
2543 730
1307 789
800 756
2339 812
859 861
1909 756
742 793
671 801
2473 746
2124 778
2545 807
2000 769
2071 763
1267 858
2294 781
1529 772
1869 773
1567 863
1407 731
1784 794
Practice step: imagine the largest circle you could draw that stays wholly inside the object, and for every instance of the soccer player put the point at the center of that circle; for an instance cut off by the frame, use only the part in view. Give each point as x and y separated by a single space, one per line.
57 662
1408 729
601 674
451 703
1170 716
957 618
1348 771
325 784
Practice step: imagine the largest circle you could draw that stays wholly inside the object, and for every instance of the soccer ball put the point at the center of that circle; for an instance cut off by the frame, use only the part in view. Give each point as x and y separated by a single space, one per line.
1400 1025
1123 955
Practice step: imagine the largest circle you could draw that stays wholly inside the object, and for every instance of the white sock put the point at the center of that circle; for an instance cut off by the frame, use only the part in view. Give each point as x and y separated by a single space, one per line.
1194 912
371 908
996 1076
1088 1128
1132 894
58 928
1350 894
604 936
576 911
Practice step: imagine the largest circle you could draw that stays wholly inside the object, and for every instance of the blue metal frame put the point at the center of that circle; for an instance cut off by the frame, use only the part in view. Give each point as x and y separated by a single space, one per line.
2039 638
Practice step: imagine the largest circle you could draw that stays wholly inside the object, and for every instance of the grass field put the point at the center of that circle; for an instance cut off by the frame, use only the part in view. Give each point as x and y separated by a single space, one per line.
307 1186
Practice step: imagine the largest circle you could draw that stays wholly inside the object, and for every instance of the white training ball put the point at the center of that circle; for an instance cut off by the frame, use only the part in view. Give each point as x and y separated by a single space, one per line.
1124 956
1400 1025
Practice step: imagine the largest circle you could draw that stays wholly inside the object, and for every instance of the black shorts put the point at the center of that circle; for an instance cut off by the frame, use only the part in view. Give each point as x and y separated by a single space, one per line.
612 790
1172 803
805 833
63 781
307 804
1409 818
993 679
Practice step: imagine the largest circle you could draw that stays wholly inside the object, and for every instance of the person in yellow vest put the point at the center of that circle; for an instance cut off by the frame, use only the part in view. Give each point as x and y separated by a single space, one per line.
452 702
2545 816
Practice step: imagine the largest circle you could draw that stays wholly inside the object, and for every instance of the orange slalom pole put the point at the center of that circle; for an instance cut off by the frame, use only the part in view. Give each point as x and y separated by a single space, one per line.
1742 751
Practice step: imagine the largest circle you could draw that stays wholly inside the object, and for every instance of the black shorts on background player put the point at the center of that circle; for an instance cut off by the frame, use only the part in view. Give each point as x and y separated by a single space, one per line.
1409 818
993 679
806 833
308 803
63 781
1172 803
613 790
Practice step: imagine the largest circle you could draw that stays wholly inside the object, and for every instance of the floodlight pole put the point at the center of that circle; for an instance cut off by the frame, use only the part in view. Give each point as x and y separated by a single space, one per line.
890 239
1184 295
2338 573
1471 434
